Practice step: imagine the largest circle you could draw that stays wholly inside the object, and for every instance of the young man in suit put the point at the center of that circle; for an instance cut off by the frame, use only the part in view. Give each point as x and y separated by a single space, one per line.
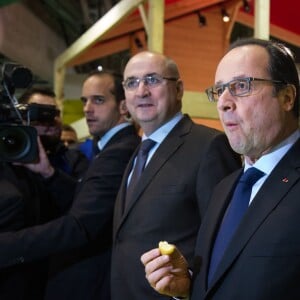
84 272
257 93
170 198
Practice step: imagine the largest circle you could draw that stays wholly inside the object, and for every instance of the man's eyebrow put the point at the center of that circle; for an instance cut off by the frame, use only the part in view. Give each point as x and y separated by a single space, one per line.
98 96
92 96
148 74
233 78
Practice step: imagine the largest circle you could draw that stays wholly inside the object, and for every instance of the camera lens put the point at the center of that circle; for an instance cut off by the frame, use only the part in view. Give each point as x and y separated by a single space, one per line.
14 143
17 143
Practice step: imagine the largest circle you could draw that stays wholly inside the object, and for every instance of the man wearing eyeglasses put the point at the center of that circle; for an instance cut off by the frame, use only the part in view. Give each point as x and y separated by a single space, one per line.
170 197
257 93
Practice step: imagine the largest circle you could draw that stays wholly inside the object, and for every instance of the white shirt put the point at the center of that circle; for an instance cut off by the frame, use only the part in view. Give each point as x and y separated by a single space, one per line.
158 136
110 133
269 161
161 133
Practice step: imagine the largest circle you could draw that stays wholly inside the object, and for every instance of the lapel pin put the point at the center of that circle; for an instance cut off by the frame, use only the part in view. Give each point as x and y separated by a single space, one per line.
285 180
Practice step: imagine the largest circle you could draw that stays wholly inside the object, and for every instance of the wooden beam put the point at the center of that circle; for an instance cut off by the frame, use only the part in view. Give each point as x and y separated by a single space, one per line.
59 78
134 24
156 25
92 35
262 19
144 18
89 38
174 10
102 49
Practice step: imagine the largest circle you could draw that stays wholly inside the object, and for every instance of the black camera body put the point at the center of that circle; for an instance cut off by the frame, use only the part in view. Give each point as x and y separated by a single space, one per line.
18 142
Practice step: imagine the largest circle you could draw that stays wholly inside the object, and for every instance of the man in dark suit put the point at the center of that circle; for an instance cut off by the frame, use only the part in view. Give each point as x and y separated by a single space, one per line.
84 273
170 198
257 90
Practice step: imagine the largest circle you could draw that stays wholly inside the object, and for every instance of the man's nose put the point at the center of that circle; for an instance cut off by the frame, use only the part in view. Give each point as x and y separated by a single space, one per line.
88 105
225 101
142 89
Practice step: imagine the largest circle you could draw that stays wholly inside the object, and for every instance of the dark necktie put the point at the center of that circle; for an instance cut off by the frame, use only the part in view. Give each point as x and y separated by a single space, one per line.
233 216
139 165
95 148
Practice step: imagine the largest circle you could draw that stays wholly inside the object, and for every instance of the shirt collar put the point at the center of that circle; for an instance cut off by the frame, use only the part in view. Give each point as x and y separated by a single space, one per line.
110 133
160 134
268 161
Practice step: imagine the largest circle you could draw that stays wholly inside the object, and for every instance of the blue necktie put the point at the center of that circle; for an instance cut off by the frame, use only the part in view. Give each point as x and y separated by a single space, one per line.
140 163
233 216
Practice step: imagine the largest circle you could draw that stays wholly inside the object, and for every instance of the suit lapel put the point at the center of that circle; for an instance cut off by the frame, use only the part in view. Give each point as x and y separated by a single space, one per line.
120 201
172 142
280 181
161 156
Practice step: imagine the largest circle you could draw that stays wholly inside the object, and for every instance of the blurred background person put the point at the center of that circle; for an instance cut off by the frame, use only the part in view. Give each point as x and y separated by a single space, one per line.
68 135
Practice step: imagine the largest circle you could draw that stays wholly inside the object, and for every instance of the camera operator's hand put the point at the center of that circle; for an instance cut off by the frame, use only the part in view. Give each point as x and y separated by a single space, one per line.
167 274
42 165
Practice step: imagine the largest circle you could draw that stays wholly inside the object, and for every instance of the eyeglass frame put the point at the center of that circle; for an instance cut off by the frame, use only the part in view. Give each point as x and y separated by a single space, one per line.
210 94
146 83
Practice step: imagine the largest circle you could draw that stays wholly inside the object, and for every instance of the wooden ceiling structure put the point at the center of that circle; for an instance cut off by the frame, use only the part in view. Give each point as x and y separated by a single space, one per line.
147 20
118 28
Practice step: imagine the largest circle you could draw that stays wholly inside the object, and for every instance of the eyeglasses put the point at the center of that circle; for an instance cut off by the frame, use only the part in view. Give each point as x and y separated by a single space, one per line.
236 87
150 80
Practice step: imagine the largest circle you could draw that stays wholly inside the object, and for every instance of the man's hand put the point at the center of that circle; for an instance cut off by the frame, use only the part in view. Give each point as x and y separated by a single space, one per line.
167 274
42 165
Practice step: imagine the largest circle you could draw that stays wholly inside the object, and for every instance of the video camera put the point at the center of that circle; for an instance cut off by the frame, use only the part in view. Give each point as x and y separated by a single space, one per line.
18 140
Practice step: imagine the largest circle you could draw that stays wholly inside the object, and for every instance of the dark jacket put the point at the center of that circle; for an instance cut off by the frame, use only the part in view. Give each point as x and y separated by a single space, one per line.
262 261
88 223
20 207
168 203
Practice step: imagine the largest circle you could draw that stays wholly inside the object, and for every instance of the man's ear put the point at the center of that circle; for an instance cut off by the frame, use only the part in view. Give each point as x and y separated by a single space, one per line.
288 95
179 88
123 108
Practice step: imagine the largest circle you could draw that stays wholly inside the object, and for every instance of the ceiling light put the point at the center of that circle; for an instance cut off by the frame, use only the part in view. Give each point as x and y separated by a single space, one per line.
201 19
138 43
225 15
246 6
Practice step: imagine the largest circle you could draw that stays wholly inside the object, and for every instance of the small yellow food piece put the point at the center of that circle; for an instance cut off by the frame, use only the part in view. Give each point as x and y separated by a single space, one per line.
165 248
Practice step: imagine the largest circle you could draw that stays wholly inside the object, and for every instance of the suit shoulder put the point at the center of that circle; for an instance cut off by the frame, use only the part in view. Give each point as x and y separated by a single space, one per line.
209 133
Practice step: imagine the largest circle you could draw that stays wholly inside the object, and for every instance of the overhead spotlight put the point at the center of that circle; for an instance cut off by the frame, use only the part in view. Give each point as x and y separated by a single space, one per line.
99 68
201 19
246 6
138 43
225 15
